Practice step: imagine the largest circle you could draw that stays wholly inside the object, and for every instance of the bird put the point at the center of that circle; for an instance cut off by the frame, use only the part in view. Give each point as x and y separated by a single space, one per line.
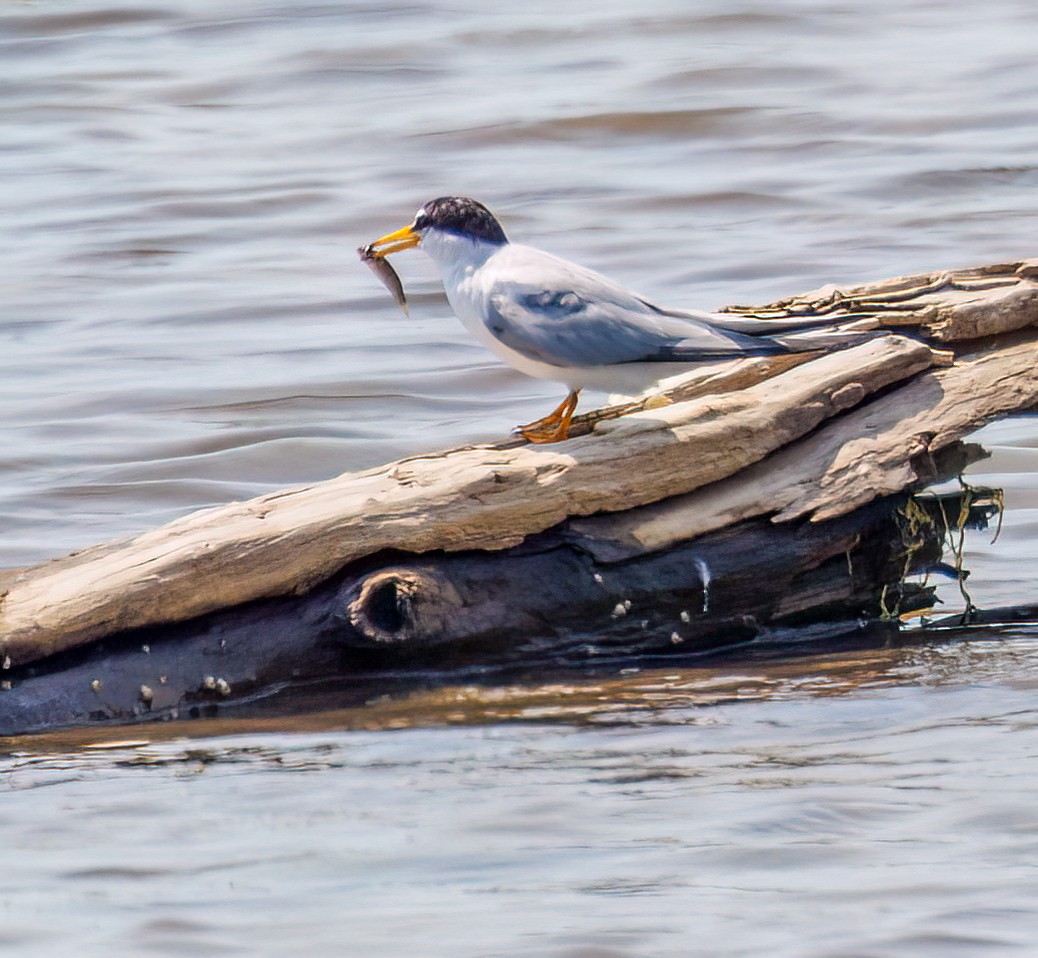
556 320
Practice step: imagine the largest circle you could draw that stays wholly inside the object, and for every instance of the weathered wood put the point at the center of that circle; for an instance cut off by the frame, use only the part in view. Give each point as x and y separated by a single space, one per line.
884 447
751 445
484 497
949 306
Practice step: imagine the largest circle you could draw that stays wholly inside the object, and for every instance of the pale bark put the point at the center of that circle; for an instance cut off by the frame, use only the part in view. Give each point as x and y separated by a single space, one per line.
879 449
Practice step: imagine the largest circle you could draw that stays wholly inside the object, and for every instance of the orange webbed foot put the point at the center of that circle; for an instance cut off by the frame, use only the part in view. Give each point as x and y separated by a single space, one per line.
555 426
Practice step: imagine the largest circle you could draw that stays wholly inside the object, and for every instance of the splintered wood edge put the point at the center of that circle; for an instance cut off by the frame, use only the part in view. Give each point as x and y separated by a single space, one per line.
984 301
998 313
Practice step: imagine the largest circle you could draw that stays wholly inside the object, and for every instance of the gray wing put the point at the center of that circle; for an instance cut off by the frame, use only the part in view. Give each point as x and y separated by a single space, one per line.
563 328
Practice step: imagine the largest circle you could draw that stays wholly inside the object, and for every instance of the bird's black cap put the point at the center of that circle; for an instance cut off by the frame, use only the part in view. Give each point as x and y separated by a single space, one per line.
461 215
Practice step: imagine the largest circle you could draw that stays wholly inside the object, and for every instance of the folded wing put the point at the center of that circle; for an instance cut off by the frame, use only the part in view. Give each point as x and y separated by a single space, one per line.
563 328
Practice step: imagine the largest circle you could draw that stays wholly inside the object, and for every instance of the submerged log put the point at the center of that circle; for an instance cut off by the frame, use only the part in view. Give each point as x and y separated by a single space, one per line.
764 456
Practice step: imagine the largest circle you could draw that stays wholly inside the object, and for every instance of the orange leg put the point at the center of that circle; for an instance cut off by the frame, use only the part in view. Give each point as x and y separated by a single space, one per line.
555 426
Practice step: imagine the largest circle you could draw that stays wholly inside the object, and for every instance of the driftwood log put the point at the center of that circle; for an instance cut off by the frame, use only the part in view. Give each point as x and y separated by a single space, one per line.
515 548
546 604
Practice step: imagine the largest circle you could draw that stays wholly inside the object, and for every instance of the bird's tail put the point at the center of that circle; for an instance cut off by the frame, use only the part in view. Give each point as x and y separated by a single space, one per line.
799 334
751 326
825 340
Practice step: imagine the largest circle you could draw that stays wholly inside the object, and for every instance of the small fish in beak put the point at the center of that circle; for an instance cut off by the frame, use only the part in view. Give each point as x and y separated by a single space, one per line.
382 268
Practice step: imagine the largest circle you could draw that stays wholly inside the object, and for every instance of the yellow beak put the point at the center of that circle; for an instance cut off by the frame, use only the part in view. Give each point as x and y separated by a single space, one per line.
405 238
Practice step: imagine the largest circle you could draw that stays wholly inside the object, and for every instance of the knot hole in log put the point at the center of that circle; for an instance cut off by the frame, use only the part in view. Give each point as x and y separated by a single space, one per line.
400 605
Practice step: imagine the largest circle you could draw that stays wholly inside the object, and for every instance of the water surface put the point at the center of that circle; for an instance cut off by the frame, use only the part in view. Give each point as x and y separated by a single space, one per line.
184 322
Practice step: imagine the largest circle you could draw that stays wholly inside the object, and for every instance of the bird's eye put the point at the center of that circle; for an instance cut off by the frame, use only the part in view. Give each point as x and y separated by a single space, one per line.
421 221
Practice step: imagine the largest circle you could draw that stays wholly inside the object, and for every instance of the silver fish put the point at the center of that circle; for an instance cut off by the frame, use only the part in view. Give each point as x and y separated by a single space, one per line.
381 267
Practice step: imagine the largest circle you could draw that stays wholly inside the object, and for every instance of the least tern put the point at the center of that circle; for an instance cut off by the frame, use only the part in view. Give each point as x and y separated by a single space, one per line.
556 320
